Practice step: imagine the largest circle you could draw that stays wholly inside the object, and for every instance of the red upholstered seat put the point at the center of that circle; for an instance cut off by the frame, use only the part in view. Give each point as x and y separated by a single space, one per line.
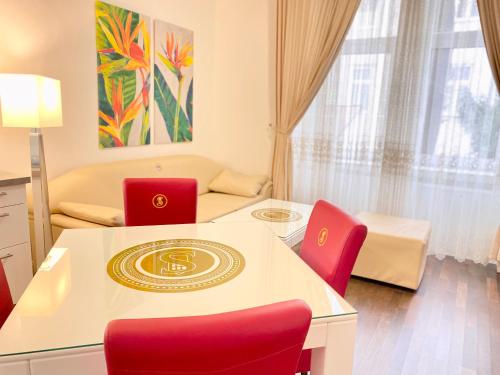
157 201
6 304
331 245
260 340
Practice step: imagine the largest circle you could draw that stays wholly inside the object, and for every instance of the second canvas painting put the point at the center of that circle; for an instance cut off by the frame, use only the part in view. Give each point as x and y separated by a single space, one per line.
173 83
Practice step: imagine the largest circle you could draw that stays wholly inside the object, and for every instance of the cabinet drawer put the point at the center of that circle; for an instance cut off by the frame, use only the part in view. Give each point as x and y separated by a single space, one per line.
17 264
13 225
10 195
92 363
15 368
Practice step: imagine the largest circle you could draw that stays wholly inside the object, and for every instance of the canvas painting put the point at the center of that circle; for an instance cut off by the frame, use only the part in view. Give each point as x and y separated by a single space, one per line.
173 80
123 73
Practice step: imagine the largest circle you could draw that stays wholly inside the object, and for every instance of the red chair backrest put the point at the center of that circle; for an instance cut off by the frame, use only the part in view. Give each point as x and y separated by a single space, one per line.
6 304
332 243
158 201
261 340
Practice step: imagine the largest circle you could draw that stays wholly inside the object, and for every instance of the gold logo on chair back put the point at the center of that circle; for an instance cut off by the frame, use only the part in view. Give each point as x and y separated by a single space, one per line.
322 236
160 201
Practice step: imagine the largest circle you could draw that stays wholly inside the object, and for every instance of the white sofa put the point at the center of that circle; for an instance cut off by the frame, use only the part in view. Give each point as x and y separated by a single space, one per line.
100 185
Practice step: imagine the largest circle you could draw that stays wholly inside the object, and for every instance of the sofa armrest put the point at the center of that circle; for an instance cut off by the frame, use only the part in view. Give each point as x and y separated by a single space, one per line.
267 189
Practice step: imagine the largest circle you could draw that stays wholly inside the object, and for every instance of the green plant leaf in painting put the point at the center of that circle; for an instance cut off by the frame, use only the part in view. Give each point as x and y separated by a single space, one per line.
104 101
128 79
129 85
105 141
113 66
167 105
145 127
189 103
125 132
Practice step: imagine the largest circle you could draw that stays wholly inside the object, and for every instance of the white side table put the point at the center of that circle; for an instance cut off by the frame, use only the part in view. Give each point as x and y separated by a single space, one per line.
15 249
288 220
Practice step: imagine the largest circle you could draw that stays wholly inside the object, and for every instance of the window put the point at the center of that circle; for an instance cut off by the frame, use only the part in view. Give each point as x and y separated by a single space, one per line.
440 87
463 103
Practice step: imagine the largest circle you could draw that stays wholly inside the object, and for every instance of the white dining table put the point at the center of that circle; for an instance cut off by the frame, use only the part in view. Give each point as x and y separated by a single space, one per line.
92 276
288 220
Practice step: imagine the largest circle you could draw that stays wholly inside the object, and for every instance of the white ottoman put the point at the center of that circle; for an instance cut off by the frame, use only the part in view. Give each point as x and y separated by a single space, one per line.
394 251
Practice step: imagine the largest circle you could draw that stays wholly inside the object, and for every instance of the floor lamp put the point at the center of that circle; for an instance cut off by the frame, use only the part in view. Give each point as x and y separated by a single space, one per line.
32 101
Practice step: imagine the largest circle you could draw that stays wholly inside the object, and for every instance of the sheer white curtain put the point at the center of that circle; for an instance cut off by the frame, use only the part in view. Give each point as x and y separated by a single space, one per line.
408 123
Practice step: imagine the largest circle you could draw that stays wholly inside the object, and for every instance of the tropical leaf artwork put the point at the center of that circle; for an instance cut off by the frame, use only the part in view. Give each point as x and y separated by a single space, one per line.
173 81
123 76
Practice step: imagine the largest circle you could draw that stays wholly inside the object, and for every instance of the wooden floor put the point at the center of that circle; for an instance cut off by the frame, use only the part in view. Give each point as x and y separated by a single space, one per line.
450 326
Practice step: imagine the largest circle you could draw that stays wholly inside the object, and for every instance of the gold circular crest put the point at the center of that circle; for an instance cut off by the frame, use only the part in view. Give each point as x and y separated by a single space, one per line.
276 215
322 236
176 265
160 200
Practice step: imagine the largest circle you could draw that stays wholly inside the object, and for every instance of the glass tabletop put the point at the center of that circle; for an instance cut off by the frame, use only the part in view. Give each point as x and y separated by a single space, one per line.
93 276
283 217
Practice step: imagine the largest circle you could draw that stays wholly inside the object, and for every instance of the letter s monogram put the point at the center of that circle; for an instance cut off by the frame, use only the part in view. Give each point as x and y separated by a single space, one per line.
177 262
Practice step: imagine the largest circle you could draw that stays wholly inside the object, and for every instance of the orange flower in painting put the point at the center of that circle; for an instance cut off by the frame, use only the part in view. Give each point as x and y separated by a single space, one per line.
122 39
175 58
121 116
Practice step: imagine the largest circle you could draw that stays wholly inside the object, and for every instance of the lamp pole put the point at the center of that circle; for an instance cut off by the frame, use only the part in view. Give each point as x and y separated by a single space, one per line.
41 213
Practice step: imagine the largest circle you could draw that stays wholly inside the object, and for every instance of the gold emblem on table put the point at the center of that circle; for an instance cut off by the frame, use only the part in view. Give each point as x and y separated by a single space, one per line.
322 236
177 265
276 215
160 200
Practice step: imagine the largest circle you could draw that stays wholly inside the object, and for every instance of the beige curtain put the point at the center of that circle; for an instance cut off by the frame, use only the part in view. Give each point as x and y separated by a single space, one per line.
489 13
495 250
309 36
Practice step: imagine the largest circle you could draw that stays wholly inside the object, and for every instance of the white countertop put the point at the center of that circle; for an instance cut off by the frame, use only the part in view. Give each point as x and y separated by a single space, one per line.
9 179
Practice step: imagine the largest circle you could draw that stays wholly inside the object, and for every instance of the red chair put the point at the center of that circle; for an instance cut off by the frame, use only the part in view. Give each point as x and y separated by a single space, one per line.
331 245
260 340
6 304
157 201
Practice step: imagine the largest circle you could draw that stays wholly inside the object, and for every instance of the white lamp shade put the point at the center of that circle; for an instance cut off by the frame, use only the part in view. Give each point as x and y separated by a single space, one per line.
30 101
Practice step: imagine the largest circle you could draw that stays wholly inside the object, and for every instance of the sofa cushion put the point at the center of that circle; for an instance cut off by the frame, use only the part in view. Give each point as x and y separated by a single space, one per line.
213 205
231 182
109 216
67 222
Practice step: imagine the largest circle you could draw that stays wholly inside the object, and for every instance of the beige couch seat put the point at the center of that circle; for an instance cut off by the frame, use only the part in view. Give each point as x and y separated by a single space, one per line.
77 198
395 249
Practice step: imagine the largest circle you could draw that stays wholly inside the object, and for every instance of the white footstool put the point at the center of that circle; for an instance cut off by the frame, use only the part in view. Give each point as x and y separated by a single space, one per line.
394 251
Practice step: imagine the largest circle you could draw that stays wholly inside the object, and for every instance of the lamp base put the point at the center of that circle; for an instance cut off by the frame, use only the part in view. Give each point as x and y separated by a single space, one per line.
41 213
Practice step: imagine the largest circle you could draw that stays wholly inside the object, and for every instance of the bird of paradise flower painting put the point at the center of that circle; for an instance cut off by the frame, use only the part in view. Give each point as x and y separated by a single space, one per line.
123 71
173 80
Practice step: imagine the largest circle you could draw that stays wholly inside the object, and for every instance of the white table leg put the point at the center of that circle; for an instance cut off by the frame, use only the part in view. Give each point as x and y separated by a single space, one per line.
336 357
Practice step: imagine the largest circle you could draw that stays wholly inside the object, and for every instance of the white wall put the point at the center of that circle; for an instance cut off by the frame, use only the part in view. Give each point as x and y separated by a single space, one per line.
244 87
234 73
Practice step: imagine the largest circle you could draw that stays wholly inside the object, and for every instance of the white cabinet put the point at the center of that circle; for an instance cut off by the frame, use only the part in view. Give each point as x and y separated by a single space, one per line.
15 249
